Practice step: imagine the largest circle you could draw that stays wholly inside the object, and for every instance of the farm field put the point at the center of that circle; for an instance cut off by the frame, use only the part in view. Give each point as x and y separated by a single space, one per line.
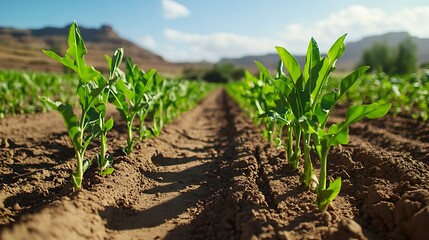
211 175
133 155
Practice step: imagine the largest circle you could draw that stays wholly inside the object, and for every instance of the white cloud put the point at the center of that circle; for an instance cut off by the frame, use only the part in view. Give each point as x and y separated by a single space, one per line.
148 42
174 9
356 20
212 47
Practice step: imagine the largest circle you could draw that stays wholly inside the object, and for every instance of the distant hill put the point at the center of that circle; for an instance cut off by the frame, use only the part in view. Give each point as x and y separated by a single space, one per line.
22 49
350 58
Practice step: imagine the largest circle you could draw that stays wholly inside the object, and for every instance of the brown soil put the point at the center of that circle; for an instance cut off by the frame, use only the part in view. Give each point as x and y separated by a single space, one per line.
210 175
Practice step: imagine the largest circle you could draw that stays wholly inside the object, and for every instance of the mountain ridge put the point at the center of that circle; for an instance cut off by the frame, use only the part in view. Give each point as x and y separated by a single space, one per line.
22 49
347 62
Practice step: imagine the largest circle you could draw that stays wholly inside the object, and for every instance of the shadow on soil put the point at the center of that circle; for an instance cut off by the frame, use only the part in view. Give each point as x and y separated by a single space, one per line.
195 185
192 184
151 217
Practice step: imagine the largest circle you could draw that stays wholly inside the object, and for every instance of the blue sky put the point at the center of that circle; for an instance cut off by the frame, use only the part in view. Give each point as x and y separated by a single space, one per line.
194 30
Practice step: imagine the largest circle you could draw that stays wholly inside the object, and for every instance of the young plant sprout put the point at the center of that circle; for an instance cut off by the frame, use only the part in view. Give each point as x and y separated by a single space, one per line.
302 104
93 91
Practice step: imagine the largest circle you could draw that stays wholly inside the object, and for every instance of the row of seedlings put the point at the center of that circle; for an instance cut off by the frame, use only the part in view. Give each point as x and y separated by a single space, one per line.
294 108
135 94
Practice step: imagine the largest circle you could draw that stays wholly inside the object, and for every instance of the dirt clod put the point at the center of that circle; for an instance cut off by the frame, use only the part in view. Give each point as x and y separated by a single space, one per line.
346 229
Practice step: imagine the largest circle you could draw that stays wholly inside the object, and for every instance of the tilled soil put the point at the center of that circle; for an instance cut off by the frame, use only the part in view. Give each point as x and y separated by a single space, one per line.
210 175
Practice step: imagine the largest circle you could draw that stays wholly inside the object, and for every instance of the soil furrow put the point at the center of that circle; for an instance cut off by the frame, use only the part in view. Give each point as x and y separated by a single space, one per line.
263 181
182 170
380 181
211 175
239 210
390 141
403 126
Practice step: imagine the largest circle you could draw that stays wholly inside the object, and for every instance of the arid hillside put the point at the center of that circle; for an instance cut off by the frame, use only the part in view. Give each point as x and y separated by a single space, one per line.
22 49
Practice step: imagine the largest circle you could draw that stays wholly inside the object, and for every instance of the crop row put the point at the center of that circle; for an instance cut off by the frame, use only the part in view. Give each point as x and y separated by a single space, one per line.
136 94
294 108
408 94
19 91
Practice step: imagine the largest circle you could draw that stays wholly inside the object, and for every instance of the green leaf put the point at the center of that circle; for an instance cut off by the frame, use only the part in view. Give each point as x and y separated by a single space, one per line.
96 129
77 50
329 100
383 109
115 62
283 85
121 104
149 76
323 69
279 69
86 164
340 134
122 87
264 71
107 171
74 57
109 61
312 57
77 181
70 119
374 110
94 96
325 106
274 117
88 140
327 65
337 50
325 197
108 125
290 63
351 79
66 60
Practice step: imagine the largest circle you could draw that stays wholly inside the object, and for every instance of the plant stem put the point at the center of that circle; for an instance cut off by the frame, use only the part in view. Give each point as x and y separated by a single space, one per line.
161 120
78 174
142 127
308 167
103 150
323 169
289 144
129 147
80 153
297 151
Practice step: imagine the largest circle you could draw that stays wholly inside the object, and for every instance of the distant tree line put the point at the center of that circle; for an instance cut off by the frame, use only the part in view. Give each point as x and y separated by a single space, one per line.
219 73
401 59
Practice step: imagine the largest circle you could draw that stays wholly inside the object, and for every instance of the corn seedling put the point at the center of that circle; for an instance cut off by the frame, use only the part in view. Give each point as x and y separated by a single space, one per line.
92 90
130 95
299 104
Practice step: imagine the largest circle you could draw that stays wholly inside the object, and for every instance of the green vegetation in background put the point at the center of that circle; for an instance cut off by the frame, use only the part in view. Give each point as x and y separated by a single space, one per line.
299 103
408 94
19 91
219 73
391 60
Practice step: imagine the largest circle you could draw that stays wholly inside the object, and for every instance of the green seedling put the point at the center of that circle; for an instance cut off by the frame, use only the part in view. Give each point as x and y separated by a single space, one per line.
301 104
312 108
91 91
130 96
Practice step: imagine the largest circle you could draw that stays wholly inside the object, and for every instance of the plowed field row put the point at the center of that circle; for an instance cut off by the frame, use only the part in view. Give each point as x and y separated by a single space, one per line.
210 175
